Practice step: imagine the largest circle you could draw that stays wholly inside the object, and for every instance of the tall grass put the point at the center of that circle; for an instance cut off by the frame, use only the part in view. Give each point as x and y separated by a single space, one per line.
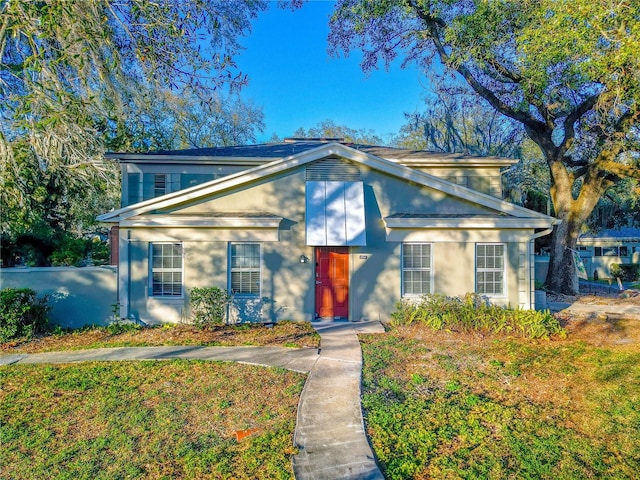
473 312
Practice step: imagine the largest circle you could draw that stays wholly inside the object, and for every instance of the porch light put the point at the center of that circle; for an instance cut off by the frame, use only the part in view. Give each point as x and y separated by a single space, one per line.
303 259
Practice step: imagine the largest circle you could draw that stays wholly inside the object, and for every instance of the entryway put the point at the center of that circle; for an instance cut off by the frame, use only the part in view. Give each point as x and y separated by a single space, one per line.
332 282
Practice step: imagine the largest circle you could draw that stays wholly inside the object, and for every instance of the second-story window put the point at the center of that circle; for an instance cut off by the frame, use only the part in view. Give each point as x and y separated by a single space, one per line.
159 184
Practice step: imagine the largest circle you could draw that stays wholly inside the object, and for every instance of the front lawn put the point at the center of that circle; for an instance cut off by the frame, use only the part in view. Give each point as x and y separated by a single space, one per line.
446 404
151 420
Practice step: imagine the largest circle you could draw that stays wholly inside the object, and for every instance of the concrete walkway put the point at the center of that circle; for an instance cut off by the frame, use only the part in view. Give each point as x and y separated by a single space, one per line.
299 360
330 432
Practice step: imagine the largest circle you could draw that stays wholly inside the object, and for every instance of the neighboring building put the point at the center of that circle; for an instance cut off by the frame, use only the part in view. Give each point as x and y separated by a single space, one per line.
600 250
317 229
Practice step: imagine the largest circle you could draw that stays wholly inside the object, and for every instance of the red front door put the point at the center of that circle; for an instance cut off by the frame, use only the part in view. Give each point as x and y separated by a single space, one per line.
332 282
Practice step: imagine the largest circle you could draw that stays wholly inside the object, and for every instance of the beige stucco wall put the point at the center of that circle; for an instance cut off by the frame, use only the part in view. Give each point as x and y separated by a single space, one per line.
288 285
78 296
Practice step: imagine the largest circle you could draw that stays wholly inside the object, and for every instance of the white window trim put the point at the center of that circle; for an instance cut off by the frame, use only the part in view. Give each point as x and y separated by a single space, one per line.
504 270
151 270
429 269
230 270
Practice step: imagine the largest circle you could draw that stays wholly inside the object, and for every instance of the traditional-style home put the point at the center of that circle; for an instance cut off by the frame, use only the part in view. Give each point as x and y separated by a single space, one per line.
316 229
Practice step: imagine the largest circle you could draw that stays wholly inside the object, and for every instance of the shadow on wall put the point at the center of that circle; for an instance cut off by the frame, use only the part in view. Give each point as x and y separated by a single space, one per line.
78 296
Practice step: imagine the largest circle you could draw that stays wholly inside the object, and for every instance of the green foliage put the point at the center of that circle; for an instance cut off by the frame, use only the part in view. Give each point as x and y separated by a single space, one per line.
74 74
329 129
473 312
122 326
209 306
628 272
43 248
22 314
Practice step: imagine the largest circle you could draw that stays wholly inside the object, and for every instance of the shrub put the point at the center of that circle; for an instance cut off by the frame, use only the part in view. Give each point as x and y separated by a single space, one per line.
629 272
209 306
474 312
22 314
122 326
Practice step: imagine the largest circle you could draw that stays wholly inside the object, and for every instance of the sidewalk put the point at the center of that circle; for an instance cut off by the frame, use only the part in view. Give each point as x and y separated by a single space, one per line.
299 360
330 431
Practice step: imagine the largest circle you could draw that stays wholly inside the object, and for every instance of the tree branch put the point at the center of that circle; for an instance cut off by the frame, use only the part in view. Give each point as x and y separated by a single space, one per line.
504 71
572 118
434 24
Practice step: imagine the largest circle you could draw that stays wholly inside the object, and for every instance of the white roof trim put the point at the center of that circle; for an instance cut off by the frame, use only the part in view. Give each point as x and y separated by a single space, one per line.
279 165
593 240
470 222
175 221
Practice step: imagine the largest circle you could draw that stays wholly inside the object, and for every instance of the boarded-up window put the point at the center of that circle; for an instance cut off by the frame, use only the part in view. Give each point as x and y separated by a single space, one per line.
335 213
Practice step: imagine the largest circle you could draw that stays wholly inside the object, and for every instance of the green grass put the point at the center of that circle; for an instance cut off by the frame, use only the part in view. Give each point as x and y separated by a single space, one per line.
151 420
443 405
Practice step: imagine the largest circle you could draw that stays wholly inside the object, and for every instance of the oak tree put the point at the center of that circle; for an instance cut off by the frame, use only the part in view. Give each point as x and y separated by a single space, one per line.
567 70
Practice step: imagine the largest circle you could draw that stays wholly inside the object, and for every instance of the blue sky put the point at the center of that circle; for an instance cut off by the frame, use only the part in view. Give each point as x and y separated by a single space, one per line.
298 85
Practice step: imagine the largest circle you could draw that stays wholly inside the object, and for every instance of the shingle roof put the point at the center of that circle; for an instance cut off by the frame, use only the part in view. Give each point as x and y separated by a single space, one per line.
272 151
618 233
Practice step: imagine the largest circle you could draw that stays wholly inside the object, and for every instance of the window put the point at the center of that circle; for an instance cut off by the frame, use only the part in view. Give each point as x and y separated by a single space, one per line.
416 269
490 268
245 268
159 184
166 269
624 251
606 252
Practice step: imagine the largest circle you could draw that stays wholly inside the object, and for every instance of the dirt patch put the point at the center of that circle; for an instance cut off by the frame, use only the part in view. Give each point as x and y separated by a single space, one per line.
622 299
284 334
598 326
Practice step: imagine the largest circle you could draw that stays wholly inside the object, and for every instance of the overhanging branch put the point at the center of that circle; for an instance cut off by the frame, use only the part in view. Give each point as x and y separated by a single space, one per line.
434 25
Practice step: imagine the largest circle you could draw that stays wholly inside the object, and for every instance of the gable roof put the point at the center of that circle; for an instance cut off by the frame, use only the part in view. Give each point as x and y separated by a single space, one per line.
307 155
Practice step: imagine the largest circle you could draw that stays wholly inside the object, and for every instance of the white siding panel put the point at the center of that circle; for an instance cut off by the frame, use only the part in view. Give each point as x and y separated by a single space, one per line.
335 213
315 209
355 224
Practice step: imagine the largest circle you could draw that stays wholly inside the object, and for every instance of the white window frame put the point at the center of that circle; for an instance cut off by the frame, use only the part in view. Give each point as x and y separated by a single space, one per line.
162 269
404 270
485 269
232 270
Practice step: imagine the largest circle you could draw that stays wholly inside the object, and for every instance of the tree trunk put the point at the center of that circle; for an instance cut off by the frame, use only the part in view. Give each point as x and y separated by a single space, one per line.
561 276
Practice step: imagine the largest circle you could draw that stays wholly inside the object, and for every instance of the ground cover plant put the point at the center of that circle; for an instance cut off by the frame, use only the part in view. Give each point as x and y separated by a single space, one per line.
474 313
456 404
283 334
152 420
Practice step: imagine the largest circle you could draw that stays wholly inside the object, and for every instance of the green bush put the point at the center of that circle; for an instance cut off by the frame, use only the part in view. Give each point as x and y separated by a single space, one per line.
209 306
22 314
629 272
474 312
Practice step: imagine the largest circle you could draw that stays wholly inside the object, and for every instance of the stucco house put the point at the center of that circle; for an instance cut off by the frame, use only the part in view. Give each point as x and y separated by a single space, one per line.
599 250
309 229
